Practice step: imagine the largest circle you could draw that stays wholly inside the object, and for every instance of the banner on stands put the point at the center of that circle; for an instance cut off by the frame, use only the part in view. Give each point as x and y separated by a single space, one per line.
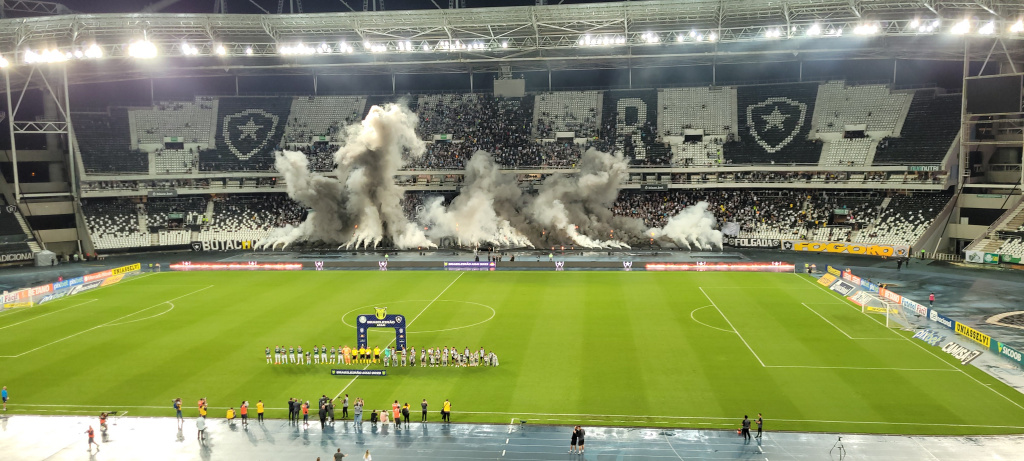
847 248
754 243
12 257
222 245
891 296
842 288
834 271
827 280
469 265
1009 353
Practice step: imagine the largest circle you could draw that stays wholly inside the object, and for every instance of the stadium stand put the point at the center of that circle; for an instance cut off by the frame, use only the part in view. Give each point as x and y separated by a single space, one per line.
114 223
567 111
105 143
905 219
630 121
191 122
168 161
455 115
249 216
839 105
161 211
930 128
1013 247
312 116
249 129
712 110
775 121
848 152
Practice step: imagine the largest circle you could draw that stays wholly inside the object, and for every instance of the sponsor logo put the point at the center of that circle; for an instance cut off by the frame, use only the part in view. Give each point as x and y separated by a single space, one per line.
222 245
21 304
470 265
126 269
941 319
40 290
848 248
111 280
974 335
1009 352
52 296
755 243
11 257
559 265
97 276
834 271
319 265
380 312
86 287
248 132
896 298
842 288
881 310
961 353
827 280
930 337
627 265
383 265
774 122
914 307
11 209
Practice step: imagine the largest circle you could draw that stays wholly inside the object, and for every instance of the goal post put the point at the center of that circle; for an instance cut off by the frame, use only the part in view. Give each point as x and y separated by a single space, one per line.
893 312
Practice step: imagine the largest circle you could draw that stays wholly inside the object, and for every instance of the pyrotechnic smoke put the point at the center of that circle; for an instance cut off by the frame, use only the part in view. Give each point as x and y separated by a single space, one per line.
362 204
694 226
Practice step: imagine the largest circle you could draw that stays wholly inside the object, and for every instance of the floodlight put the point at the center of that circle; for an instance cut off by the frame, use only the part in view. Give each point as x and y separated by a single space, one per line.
680 38
712 37
987 29
45 56
915 23
961 27
866 29
248 51
814 30
94 52
4 62
142 49
1017 27
78 54
221 51
503 44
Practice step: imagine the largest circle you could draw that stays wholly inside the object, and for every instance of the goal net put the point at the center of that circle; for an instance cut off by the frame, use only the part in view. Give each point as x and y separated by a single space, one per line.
893 312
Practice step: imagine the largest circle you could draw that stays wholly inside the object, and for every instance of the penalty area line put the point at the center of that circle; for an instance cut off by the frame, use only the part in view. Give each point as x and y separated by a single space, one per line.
406 329
105 324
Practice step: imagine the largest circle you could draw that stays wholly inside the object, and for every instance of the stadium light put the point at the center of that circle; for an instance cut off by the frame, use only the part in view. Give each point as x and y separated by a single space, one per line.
914 24
1017 27
651 37
712 37
4 62
46 56
987 29
93 52
221 51
142 49
961 27
866 29
248 51
345 47
814 30
300 49
773 33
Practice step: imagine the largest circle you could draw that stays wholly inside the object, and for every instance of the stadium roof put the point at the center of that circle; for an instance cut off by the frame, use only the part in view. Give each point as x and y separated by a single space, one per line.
582 36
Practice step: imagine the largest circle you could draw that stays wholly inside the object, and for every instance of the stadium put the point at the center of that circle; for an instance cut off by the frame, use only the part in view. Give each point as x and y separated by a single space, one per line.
663 222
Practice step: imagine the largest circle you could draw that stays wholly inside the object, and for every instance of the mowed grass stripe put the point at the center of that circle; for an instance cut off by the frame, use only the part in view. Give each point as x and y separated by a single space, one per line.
571 343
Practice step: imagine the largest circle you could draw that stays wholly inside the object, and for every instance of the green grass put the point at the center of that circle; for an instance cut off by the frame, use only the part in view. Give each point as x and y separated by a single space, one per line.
614 348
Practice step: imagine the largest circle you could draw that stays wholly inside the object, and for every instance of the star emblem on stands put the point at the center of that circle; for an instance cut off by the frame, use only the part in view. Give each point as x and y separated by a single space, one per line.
773 120
250 128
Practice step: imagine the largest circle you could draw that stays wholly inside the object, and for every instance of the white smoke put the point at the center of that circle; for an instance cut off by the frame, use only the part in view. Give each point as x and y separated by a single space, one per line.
360 205
694 226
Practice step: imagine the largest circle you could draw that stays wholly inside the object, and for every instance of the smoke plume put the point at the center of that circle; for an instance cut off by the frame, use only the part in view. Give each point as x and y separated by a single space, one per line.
361 204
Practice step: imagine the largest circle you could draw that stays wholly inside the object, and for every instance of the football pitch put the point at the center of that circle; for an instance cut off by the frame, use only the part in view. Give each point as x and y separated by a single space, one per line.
694 350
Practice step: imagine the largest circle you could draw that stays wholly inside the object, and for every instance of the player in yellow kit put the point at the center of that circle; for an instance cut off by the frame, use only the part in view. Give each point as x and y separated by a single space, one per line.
376 354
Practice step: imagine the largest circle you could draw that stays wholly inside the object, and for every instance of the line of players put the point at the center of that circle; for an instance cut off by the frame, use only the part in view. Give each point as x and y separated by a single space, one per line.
390 357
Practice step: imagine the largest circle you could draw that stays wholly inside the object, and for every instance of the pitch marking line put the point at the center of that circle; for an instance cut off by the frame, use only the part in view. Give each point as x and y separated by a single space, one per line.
573 416
48 313
407 325
2 314
732 326
931 353
104 324
837 327
702 323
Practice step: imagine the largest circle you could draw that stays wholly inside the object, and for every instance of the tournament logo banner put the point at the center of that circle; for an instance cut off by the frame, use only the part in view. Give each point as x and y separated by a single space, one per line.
381 319
357 372
470 265
754 243
848 248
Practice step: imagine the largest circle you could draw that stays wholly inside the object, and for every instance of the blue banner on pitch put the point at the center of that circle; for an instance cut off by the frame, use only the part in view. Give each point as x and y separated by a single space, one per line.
338 372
